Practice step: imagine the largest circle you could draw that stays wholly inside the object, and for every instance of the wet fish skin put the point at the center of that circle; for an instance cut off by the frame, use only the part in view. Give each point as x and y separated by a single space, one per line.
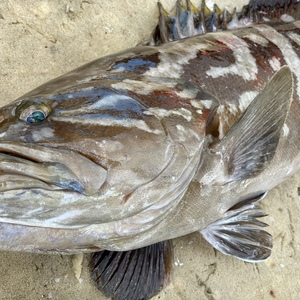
56 210
159 98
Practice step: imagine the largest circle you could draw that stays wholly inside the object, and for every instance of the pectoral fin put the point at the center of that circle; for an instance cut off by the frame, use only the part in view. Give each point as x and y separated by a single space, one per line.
251 143
136 274
239 234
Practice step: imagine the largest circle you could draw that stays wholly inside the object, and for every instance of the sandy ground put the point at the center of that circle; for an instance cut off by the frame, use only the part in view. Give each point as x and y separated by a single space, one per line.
43 39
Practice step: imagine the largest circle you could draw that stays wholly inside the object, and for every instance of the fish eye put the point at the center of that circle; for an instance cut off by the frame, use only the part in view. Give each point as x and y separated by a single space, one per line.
32 112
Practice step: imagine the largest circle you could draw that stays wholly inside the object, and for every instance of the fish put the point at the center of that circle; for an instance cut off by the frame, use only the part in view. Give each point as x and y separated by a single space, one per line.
217 122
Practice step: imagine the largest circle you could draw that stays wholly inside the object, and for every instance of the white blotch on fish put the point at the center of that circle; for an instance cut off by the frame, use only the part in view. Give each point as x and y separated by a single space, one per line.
245 64
286 130
111 101
184 134
171 63
129 123
257 39
197 104
275 63
42 134
187 93
207 104
287 18
294 37
162 113
143 87
286 48
246 98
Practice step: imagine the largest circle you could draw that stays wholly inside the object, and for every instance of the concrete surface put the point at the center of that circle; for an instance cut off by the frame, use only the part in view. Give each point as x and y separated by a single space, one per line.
43 39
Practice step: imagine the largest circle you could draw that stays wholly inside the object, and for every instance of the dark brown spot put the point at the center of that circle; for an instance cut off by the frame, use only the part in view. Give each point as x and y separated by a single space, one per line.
126 197
272 294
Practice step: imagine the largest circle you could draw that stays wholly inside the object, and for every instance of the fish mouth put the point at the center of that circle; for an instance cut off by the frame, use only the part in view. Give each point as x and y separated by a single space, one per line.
24 166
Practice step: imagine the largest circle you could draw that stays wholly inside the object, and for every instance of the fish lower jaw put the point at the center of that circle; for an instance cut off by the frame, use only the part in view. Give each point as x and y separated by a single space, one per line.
47 167
11 182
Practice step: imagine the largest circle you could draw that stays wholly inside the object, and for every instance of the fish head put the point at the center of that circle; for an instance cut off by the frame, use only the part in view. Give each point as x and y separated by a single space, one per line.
86 156
107 128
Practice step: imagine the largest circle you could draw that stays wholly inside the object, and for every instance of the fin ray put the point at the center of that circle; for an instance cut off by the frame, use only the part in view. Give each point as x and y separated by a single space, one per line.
133 275
189 21
239 234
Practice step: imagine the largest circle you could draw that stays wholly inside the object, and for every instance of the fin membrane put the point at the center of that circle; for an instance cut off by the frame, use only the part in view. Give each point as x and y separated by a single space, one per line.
239 234
189 21
251 200
250 145
133 275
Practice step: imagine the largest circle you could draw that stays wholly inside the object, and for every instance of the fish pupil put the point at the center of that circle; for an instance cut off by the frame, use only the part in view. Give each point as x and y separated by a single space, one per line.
36 116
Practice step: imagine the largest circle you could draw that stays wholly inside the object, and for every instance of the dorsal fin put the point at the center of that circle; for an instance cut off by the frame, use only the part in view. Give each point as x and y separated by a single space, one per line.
189 21
251 143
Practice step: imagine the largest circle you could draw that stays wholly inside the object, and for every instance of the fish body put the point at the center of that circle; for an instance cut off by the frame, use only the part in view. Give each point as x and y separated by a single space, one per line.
135 125
153 143
131 149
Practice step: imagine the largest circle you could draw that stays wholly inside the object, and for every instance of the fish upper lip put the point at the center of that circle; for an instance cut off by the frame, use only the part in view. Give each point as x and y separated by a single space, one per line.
49 168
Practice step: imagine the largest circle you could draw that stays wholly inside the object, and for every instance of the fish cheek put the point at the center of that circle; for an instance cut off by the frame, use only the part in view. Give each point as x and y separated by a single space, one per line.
14 130
144 152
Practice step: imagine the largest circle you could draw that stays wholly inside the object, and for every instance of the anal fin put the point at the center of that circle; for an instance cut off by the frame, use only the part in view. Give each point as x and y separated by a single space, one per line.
133 275
240 234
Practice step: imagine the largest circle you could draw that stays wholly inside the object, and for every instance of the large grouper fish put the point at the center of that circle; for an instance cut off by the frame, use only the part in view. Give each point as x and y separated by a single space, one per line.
185 134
